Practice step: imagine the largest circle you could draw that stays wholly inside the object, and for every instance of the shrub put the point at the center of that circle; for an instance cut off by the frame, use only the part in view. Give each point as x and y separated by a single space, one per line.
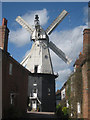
65 112
61 112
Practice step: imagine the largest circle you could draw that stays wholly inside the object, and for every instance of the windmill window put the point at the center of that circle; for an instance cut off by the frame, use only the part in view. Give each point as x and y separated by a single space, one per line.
48 89
38 45
34 84
35 68
38 34
46 56
34 90
44 46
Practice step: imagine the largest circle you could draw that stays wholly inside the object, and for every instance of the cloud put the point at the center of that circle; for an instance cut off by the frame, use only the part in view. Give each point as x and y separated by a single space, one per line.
21 37
71 43
30 16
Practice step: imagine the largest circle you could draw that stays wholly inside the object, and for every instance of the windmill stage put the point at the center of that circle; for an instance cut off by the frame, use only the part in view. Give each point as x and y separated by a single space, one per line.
41 89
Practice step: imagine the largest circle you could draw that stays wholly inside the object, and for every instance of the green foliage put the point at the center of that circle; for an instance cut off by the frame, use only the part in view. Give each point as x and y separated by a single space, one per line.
58 106
68 91
65 110
61 112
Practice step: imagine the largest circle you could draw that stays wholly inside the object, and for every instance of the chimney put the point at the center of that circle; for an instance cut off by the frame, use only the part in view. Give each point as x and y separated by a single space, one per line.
4 32
86 43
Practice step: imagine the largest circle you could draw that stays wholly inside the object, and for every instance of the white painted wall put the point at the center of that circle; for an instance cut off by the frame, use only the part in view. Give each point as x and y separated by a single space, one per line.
40 56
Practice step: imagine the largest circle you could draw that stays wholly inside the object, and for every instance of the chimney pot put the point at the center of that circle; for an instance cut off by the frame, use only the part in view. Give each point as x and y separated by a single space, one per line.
4 22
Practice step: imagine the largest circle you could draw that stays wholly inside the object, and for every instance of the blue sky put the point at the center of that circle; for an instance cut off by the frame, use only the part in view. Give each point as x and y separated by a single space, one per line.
68 34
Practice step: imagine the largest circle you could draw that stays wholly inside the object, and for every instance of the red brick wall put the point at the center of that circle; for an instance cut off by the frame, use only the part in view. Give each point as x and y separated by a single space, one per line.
86 74
86 43
85 91
17 82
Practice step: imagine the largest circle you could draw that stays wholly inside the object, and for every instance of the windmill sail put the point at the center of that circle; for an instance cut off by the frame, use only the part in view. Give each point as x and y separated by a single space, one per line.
39 35
56 22
59 52
24 24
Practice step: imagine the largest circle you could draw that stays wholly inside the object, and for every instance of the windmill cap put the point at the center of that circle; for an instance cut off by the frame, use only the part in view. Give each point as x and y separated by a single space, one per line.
36 17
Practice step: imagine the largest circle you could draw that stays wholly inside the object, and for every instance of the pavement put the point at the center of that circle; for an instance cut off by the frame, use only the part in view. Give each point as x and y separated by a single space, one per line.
41 114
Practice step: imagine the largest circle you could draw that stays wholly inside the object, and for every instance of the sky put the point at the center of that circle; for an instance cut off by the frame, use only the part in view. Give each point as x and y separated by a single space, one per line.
68 35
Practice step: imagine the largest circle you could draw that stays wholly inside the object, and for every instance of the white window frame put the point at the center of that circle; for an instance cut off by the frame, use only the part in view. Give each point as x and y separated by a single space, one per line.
78 108
67 104
63 94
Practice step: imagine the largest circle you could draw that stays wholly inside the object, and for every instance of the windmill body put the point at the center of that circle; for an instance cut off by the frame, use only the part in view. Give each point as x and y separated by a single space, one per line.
41 86
38 60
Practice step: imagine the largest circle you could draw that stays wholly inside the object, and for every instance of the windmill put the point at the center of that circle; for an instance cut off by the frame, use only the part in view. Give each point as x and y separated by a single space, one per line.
39 60
34 61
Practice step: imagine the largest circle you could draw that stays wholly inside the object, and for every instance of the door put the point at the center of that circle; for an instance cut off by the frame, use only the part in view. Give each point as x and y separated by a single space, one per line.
34 105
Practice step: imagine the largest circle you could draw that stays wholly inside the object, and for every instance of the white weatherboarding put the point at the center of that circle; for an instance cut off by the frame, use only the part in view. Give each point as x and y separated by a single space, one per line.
39 60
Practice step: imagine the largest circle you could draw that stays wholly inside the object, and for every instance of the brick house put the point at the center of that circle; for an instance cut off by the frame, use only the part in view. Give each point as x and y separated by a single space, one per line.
13 82
86 74
77 87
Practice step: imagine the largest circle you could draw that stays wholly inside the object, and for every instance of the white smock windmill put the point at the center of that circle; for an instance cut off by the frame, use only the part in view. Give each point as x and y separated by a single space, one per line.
39 60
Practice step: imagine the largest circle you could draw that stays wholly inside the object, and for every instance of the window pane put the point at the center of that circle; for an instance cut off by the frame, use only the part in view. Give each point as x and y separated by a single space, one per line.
10 69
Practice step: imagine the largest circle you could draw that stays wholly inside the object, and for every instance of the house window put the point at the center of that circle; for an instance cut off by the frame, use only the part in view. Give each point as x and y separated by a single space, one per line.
75 68
71 88
10 69
71 80
35 68
67 87
71 114
48 89
67 104
71 83
71 106
12 97
78 108
63 94
74 93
